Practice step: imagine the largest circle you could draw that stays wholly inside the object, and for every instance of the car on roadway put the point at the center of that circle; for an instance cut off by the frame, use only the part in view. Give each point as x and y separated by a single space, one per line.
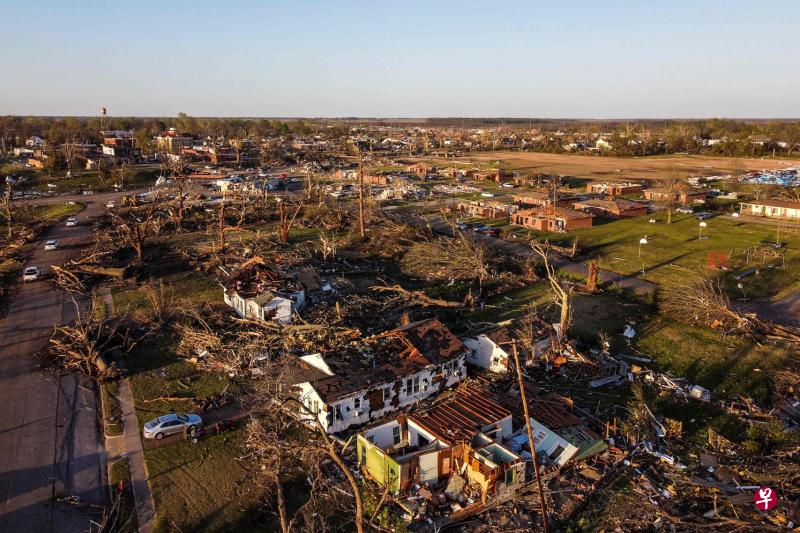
508 185
487 194
50 245
703 215
170 424
111 204
490 231
31 274
685 210
72 221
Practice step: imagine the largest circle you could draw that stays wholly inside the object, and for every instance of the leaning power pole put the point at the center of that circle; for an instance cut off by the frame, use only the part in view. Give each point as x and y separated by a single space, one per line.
542 503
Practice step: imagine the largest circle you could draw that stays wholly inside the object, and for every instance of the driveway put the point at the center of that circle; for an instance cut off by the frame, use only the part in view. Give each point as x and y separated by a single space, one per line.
50 439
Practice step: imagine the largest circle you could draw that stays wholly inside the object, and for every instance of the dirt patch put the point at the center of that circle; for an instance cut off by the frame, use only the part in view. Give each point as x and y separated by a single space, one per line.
602 168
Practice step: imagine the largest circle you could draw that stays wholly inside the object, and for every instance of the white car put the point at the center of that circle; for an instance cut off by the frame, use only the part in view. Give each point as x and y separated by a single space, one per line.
508 185
170 424
51 245
72 221
111 204
487 194
31 274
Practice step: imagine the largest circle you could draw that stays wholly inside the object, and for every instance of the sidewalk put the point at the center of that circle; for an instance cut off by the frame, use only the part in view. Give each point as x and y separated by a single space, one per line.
129 444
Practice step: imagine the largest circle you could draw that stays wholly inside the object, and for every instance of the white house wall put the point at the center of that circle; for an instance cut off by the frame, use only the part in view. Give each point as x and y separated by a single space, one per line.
399 397
483 352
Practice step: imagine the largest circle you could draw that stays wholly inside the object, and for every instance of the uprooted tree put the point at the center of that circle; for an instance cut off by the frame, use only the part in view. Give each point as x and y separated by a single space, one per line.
442 259
88 344
704 301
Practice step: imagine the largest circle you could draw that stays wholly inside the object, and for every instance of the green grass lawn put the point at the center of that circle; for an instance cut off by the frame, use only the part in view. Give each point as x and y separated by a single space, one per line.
204 486
186 288
674 253
50 212
91 180
119 472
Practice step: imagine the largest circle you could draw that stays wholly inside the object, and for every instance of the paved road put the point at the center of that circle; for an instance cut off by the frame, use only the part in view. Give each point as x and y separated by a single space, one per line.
50 440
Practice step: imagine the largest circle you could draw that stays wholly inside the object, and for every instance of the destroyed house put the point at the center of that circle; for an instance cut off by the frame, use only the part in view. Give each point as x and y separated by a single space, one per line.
480 209
552 218
492 350
614 189
265 292
611 207
381 374
458 441
559 436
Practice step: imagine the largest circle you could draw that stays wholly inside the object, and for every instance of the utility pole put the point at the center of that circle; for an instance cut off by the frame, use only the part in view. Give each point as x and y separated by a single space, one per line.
542 503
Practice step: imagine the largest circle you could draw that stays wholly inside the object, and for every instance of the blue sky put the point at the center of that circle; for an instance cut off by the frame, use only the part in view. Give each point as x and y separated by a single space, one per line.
584 59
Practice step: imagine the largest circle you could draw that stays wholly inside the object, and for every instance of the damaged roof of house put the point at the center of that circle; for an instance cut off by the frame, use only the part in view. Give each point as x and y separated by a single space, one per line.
462 416
256 276
388 357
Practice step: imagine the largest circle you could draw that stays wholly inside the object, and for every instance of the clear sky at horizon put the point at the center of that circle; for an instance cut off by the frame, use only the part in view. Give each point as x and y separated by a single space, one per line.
583 59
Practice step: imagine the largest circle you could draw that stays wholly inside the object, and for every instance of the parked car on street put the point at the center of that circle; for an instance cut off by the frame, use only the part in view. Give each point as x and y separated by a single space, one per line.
685 210
703 215
111 204
31 274
51 245
171 424
492 232
487 194
508 185
72 221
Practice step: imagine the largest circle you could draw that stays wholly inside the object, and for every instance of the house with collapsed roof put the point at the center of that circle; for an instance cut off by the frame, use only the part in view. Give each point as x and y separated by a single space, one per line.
493 350
479 209
378 375
614 189
458 441
552 218
559 435
267 292
611 207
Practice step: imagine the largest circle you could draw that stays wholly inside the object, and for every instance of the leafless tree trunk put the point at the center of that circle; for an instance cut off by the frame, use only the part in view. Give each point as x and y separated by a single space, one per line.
361 229
562 291
8 207
285 220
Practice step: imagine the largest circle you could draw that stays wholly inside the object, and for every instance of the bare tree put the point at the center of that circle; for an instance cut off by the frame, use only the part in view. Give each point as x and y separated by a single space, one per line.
670 184
562 290
704 301
278 415
286 220
8 206
224 227
361 228
136 228
441 259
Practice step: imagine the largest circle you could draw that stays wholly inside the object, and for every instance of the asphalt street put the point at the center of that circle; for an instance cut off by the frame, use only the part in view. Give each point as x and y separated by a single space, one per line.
51 445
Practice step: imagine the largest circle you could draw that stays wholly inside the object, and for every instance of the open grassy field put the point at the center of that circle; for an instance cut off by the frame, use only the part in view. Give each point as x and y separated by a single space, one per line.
603 168
674 253
204 487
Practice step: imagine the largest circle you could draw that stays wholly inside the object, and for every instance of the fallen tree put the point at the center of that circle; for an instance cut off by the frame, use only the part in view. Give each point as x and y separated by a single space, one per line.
705 302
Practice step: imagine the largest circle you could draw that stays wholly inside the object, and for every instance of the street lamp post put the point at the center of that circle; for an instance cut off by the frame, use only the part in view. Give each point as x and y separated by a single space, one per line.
642 241
702 225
